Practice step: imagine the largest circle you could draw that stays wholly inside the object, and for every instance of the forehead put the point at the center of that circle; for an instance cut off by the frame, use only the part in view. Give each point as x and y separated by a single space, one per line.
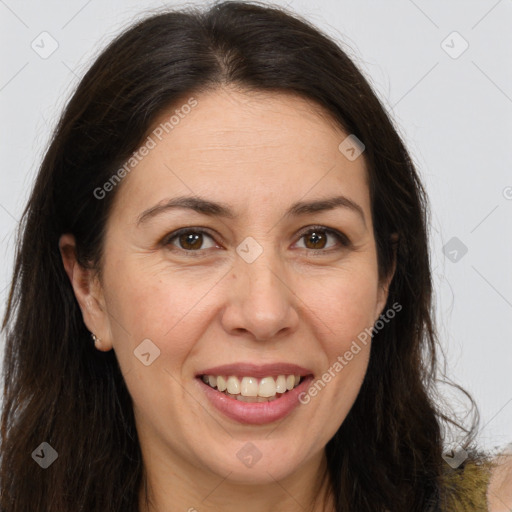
245 121
245 146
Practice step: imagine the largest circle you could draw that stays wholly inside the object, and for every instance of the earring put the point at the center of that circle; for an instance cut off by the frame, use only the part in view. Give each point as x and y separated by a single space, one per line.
94 338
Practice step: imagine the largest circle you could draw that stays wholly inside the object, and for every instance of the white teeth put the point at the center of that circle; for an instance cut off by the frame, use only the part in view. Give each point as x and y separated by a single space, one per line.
267 387
233 385
221 383
249 386
281 384
251 389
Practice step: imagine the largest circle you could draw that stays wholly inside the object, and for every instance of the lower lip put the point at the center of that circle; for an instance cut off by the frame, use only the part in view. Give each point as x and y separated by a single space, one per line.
257 413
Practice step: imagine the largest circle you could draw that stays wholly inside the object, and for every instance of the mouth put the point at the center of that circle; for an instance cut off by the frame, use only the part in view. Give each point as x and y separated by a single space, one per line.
255 394
250 389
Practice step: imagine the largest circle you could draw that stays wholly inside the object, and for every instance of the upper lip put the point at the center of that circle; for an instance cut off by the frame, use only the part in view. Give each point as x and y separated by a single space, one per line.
256 371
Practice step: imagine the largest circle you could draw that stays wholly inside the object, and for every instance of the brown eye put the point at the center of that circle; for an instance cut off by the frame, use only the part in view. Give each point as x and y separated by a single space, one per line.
316 239
189 240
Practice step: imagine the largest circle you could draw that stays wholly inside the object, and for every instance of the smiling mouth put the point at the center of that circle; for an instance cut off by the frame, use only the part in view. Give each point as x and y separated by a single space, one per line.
251 389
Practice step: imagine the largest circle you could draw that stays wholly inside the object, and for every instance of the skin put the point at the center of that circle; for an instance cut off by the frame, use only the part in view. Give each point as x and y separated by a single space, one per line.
259 153
499 492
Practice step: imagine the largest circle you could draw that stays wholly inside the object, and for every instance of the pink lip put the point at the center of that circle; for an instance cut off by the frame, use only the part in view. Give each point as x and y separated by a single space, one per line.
256 371
254 413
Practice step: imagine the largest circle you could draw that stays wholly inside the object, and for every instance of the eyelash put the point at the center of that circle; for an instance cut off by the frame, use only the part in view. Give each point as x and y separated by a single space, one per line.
341 238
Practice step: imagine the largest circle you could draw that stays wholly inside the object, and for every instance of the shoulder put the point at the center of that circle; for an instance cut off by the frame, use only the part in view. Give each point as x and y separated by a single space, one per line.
464 489
499 493
482 483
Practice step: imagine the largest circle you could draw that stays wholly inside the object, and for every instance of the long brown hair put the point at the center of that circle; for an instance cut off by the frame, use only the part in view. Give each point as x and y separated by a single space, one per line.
387 454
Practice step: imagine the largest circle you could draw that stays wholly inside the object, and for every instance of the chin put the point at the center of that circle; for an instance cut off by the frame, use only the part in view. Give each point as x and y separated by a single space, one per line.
252 464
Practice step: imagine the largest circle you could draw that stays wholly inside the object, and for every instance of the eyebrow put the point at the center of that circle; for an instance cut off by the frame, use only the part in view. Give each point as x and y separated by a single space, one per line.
216 209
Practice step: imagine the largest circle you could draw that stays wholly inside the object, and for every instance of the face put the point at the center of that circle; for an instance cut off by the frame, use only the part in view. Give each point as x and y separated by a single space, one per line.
261 289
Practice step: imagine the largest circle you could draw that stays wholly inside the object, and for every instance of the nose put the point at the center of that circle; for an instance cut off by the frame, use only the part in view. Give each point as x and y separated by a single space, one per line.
261 303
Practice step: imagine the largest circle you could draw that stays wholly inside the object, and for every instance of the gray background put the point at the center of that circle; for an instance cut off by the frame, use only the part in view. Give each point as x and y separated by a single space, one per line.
453 108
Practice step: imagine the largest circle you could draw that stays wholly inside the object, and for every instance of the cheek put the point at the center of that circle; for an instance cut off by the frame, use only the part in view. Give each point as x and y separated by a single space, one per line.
345 303
344 308
347 310
154 298
146 302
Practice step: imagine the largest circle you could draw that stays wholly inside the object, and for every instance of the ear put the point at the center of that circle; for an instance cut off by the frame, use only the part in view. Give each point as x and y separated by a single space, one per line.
88 292
383 291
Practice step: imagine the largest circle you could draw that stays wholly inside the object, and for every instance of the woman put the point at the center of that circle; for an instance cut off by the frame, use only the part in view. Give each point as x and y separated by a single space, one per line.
222 293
